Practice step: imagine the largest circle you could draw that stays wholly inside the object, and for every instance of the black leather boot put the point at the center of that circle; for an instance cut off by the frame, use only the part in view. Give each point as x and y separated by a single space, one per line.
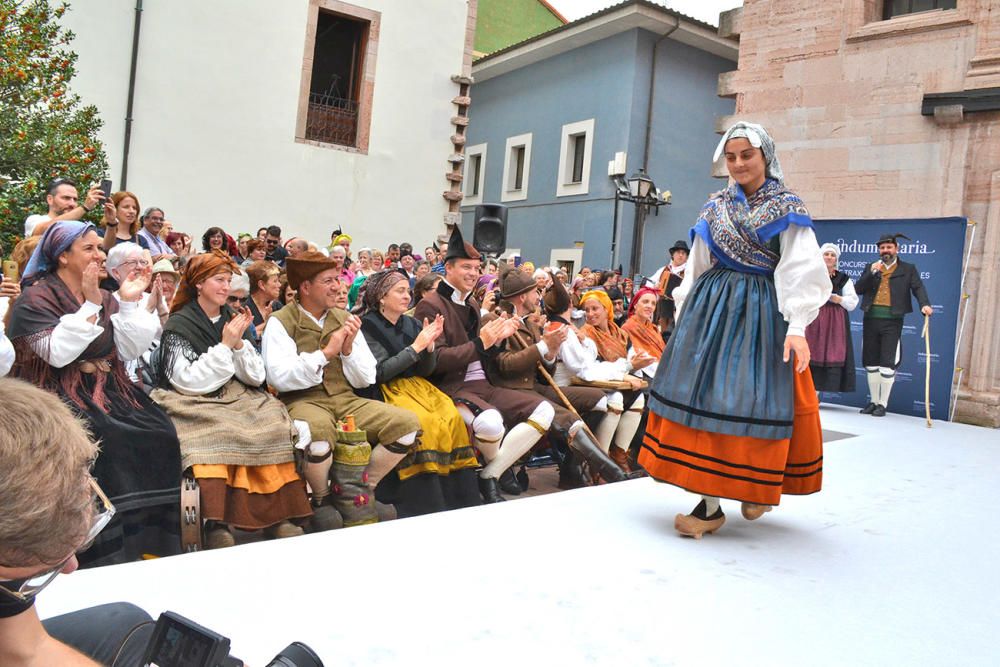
490 491
595 457
508 483
571 474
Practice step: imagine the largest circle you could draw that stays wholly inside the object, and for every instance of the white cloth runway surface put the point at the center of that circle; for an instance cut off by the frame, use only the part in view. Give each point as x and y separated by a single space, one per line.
894 563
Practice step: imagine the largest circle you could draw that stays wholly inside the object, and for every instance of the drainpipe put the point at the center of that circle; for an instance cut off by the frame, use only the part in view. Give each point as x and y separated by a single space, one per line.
641 211
131 93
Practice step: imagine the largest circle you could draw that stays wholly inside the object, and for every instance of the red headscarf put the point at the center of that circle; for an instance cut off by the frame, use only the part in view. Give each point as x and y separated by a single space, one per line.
644 334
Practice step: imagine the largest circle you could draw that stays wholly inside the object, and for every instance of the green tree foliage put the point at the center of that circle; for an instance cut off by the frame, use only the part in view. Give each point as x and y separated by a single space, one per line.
45 130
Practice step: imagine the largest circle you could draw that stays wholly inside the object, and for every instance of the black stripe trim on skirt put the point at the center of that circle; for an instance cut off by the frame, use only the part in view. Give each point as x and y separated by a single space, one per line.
709 470
721 417
804 474
804 465
764 471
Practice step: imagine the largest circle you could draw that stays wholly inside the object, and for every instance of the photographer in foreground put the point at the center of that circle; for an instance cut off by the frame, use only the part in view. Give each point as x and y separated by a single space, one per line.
53 508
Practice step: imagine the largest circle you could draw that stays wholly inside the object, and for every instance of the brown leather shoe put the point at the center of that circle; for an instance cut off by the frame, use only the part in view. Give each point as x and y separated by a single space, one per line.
753 511
620 457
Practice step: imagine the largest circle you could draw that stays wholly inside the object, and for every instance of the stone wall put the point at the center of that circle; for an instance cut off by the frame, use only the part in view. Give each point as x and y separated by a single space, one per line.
842 90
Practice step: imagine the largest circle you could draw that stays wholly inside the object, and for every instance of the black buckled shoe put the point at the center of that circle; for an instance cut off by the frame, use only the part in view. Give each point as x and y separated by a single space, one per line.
879 411
868 409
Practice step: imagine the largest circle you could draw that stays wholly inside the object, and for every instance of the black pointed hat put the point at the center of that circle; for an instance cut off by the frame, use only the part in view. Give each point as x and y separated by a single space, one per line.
557 299
458 248
891 238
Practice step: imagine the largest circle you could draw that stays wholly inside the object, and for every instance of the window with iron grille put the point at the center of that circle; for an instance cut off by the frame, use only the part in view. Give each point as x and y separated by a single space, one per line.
893 8
337 73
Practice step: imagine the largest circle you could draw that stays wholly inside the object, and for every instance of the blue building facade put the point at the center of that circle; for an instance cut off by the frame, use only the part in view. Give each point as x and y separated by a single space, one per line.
526 125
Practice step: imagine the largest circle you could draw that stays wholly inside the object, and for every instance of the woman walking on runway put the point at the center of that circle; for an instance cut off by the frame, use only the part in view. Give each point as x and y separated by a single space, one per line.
733 412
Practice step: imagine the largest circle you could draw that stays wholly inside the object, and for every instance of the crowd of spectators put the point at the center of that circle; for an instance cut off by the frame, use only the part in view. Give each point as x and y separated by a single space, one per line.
250 362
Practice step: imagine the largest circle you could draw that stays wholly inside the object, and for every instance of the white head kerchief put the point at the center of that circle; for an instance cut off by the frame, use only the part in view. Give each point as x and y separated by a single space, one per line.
831 248
758 138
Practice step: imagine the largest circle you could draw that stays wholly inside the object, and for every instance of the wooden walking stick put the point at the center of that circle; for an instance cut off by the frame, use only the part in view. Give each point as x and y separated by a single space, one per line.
927 375
555 388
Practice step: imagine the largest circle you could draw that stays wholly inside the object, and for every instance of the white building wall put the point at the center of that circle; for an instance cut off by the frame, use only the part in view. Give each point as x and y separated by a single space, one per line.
216 98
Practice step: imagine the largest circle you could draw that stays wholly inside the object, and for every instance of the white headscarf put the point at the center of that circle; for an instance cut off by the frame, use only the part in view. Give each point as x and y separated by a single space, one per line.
832 248
758 138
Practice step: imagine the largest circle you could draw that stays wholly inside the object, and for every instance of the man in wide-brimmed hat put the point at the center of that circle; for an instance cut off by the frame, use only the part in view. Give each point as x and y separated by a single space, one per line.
666 280
315 359
515 367
505 423
885 287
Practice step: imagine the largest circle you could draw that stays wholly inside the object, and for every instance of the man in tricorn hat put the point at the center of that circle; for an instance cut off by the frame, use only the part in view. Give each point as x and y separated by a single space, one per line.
515 367
315 358
885 287
505 423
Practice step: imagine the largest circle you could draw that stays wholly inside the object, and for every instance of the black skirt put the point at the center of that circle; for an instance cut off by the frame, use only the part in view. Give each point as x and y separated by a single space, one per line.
139 468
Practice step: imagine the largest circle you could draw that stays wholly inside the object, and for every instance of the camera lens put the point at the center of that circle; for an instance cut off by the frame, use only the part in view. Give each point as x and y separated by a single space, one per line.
296 654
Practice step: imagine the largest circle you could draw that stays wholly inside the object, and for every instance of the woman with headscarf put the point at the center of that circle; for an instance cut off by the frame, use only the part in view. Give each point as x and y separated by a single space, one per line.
235 437
641 329
614 345
829 335
733 414
73 338
439 471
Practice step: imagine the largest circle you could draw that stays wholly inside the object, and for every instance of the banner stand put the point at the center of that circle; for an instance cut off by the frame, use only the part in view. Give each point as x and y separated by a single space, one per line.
964 305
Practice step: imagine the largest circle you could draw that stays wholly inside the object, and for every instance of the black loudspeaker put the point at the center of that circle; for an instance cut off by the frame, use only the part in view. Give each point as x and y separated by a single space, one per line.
489 235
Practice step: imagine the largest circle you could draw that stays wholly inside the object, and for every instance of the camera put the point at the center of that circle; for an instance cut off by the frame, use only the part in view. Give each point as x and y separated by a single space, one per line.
180 642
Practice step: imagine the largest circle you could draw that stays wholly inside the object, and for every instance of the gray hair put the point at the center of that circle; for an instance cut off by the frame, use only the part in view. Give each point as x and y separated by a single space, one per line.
145 214
121 253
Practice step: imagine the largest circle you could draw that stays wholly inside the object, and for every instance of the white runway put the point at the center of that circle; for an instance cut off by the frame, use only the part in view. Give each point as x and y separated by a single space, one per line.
894 563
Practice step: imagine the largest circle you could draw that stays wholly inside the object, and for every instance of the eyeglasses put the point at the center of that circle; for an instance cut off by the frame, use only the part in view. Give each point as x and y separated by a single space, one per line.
32 586
138 262
232 299
155 218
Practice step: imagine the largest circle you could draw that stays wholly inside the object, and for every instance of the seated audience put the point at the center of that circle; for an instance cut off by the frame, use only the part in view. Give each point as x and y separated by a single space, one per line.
73 338
150 236
265 288
439 471
614 345
236 438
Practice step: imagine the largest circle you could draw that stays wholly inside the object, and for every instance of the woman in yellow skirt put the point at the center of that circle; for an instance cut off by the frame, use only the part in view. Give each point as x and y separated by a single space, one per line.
439 472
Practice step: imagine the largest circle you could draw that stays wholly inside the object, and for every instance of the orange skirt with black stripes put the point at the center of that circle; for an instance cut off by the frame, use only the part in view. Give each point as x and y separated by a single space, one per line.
752 470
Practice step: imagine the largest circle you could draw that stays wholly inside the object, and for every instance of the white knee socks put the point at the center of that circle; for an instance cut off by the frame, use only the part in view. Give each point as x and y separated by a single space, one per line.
886 376
319 458
519 440
629 423
383 459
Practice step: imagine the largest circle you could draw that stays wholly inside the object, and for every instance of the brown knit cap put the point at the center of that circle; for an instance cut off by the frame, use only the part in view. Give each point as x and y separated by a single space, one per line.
306 267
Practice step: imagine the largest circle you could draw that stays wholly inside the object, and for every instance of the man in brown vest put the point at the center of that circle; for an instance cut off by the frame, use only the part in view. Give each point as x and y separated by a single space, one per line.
315 358
505 423
885 287
515 366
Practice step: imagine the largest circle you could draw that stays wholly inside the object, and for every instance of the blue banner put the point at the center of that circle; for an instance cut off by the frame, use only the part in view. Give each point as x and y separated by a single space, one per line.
936 247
